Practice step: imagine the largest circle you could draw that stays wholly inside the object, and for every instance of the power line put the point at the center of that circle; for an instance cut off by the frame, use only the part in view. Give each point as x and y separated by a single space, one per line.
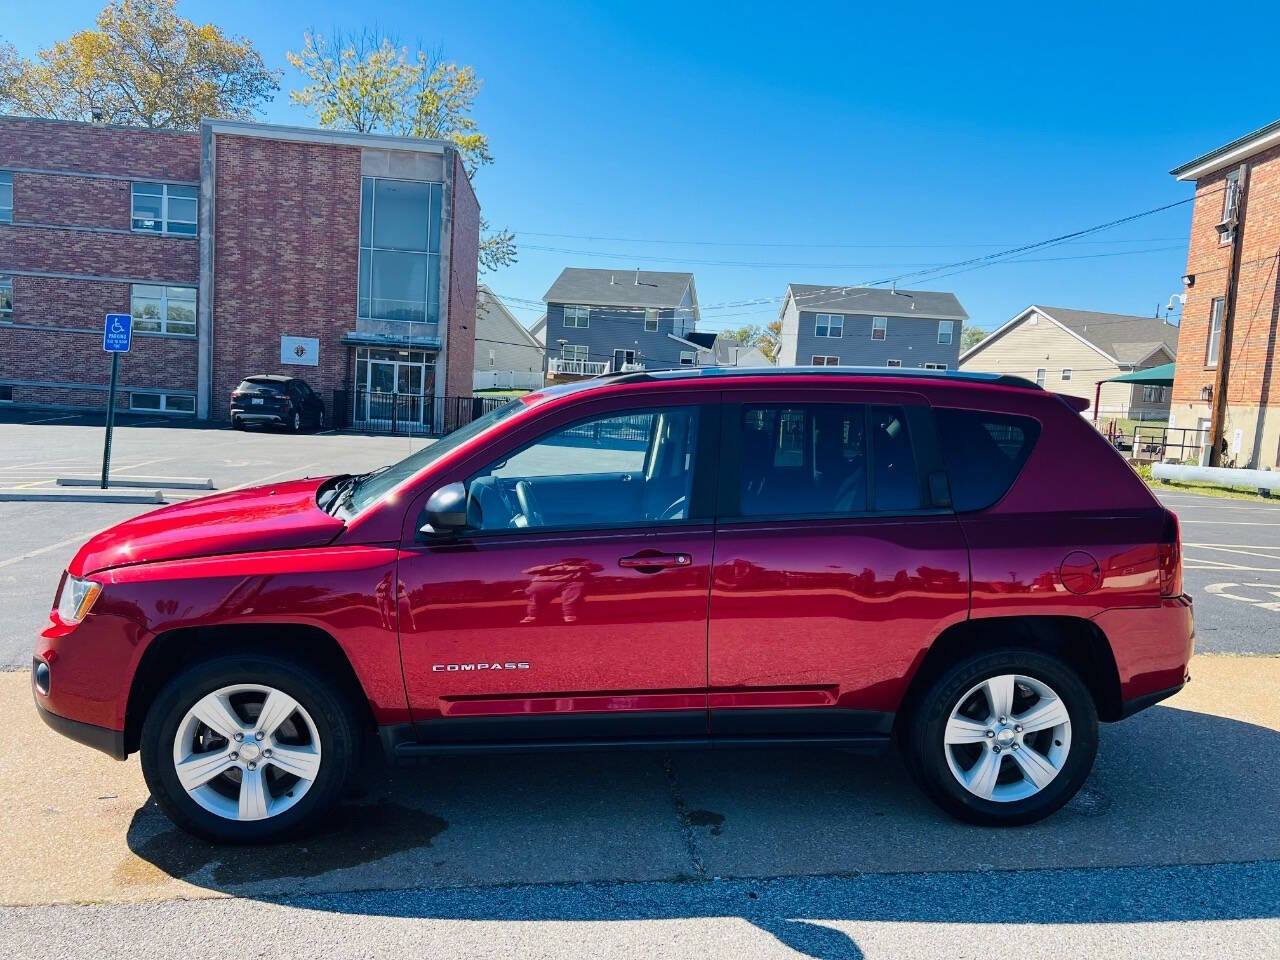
865 244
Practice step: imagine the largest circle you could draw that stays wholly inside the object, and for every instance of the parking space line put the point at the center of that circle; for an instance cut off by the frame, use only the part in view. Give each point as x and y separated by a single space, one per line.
69 416
297 471
78 538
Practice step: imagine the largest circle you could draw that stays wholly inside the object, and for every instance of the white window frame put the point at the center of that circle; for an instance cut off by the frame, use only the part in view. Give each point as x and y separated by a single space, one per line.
688 358
491 357
821 360
947 326
164 402
880 325
581 317
1066 374
6 209
651 320
164 309
165 219
1041 372
6 283
570 352
833 323
1213 349
935 366
893 363
1230 200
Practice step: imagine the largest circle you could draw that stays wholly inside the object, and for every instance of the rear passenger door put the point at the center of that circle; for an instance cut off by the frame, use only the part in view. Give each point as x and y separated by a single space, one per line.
837 561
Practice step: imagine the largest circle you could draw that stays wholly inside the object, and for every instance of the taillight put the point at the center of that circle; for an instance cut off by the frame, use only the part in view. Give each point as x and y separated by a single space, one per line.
1170 556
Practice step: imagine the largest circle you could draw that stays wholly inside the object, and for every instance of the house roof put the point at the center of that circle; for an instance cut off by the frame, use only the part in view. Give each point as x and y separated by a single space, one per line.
1238 149
731 353
491 305
875 300
1122 338
620 288
706 340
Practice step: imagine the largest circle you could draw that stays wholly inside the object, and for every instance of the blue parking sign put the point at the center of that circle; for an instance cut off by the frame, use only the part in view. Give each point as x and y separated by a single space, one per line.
117 332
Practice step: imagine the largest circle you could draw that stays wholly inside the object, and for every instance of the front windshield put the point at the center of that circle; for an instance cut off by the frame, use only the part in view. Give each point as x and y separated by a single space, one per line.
376 485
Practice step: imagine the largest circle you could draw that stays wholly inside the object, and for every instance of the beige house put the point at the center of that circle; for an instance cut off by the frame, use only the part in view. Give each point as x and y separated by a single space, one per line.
1072 351
507 353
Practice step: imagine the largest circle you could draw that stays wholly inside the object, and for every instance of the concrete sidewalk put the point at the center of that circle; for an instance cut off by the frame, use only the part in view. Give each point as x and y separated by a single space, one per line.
1190 782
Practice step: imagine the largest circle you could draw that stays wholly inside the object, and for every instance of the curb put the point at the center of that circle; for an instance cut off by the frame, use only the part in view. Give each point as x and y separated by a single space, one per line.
83 496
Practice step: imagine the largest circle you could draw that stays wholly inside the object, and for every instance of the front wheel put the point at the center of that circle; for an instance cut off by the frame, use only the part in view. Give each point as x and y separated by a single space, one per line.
247 750
1003 738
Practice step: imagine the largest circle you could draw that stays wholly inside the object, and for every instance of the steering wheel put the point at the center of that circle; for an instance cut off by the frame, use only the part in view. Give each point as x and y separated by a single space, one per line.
675 510
528 504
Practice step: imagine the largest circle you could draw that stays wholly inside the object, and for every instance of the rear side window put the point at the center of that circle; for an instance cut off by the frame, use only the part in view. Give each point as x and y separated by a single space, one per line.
984 453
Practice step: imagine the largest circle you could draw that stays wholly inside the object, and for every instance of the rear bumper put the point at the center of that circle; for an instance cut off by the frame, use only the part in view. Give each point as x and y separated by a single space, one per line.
1152 647
110 742
256 417
1130 707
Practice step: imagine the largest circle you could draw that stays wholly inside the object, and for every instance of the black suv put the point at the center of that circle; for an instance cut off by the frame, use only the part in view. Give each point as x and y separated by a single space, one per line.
273 398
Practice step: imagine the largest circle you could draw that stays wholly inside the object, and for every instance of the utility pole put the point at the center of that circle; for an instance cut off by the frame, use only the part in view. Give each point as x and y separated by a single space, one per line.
1218 411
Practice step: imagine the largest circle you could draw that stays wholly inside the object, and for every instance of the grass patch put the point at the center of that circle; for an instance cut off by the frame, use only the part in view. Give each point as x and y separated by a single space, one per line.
1207 489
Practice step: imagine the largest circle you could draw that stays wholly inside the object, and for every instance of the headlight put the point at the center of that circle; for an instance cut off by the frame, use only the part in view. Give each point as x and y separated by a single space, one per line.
75 598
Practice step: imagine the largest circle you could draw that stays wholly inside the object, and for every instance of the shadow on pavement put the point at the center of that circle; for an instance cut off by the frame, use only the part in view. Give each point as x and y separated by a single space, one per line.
603 837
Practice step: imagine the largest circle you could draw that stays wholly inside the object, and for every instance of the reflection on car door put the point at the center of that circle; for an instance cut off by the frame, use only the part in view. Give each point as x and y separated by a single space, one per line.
834 569
574 607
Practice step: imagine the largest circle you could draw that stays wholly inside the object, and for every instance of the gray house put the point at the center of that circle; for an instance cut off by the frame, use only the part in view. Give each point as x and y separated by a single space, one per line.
607 321
869 327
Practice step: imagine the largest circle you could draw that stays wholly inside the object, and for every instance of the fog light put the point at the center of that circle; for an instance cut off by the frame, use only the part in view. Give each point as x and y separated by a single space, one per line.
40 674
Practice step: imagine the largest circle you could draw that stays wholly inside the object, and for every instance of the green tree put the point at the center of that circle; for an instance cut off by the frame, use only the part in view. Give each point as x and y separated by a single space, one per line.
368 83
142 66
970 337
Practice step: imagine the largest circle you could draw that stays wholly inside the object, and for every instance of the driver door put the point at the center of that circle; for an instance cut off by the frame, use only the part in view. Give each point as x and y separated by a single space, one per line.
574 605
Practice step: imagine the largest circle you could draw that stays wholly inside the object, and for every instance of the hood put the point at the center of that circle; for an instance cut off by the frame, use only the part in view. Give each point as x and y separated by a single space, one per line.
279 516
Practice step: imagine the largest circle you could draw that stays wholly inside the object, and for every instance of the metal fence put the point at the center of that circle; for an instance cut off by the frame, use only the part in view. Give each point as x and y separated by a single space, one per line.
375 412
1158 442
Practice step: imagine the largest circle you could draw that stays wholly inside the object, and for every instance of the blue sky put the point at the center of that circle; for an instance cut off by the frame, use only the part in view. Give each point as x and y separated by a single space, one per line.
758 145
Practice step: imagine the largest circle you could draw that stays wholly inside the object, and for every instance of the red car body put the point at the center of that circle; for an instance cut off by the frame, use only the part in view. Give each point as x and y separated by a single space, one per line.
738 630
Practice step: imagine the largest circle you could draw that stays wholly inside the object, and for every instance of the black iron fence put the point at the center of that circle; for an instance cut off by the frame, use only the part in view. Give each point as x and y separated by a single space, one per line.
376 412
1158 442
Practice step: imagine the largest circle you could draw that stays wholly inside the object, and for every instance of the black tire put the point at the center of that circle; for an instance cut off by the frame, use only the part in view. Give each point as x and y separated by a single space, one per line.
320 420
237 423
295 422
925 753
330 710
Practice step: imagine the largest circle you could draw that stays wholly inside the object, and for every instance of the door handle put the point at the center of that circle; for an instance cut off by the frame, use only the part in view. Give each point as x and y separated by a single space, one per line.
652 562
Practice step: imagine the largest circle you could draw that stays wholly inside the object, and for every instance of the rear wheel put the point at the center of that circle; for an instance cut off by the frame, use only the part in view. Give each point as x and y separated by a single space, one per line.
1003 738
295 422
237 423
247 750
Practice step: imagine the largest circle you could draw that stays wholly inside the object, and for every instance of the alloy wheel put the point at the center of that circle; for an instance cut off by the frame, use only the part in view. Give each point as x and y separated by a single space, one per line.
246 752
1007 738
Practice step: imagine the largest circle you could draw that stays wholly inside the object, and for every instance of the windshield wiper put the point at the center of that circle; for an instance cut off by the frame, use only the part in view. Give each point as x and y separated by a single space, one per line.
346 488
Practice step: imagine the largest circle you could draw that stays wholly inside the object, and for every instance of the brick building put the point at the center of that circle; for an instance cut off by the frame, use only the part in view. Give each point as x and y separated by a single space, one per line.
346 259
1252 426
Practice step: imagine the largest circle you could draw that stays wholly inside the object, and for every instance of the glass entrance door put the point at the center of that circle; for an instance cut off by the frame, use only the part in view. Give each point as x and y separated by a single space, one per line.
393 389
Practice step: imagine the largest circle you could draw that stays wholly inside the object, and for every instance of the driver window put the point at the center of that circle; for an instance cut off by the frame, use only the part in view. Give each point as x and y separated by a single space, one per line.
628 468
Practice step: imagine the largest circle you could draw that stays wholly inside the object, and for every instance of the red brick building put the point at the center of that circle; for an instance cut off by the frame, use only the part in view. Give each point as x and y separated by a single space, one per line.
1252 425
346 259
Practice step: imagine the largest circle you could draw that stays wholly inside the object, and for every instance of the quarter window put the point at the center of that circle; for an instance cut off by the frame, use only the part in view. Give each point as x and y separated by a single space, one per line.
879 328
984 453
164 208
6 197
400 228
829 325
577 317
622 469
651 320
1215 332
164 309
6 297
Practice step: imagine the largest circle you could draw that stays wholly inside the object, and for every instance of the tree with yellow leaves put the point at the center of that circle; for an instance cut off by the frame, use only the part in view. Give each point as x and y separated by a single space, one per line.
142 66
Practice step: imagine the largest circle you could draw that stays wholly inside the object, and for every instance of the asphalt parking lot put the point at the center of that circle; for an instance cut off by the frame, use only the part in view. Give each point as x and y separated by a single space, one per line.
1172 848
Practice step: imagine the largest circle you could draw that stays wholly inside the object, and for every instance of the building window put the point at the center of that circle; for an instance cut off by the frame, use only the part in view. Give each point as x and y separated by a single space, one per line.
1215 332
491 358
879 328
935 366
6 197
688 358
164 208
829 325
1230 201
164 309
1040 372
1066 373
893 363
400 231
6 298
651 320
577 317
944 331
819 361
575 351
1152 394
162 403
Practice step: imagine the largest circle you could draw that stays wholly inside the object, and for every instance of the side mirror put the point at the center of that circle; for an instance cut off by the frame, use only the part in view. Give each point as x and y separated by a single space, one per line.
446 510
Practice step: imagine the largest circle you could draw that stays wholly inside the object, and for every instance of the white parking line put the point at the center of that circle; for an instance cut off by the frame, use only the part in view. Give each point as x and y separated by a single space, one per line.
69 416
296 471
78 538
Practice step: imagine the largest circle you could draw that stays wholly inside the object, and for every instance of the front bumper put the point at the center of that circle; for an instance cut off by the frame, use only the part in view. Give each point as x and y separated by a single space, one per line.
110 742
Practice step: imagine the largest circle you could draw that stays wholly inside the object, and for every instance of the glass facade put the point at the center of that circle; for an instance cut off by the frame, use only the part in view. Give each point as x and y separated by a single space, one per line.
400 230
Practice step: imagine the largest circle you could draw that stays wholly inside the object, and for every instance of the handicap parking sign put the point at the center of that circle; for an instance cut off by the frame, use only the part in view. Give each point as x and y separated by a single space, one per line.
117 332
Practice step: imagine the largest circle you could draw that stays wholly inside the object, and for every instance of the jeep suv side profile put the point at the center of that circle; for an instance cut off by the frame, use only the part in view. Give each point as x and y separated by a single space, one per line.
955 562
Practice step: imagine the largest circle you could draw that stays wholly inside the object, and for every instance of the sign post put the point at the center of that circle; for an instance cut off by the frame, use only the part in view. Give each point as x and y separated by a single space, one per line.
117 332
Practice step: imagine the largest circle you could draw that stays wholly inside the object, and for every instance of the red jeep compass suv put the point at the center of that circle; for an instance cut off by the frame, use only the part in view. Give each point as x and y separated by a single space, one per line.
843 557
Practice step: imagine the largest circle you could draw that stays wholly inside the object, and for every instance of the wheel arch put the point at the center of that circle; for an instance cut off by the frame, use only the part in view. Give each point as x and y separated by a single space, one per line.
174 650
1078 642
